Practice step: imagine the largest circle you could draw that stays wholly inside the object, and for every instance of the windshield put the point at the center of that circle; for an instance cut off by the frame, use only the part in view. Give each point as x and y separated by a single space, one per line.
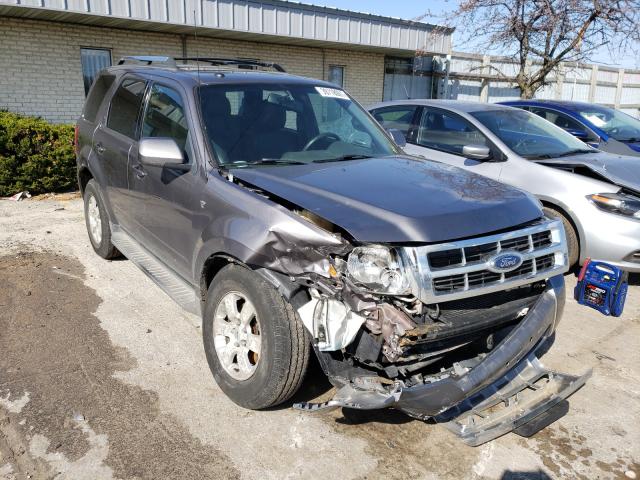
272 124
613 122
530 136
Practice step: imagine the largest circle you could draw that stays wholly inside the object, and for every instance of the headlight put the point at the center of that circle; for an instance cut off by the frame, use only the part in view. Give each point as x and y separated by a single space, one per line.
379 269
619 203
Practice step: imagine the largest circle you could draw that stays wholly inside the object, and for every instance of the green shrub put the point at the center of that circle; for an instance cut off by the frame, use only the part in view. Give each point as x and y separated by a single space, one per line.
35 155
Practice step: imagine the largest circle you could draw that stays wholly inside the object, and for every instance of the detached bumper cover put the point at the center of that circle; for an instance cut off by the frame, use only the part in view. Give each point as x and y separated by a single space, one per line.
525 404
507 370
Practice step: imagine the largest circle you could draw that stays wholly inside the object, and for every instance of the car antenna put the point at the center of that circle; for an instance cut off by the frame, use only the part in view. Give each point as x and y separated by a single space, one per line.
195 36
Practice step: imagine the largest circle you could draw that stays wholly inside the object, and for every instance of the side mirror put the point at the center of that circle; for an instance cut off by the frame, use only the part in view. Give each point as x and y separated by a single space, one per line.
398 137
476 152
161 152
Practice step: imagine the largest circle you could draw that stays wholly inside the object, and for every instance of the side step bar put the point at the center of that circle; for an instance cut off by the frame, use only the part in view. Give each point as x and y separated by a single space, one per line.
170 282
533 399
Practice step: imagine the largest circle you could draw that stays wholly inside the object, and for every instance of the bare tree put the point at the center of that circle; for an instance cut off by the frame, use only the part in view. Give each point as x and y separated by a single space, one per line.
540 34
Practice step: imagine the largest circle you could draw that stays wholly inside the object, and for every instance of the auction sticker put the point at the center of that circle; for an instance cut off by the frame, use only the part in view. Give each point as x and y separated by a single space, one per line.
332 92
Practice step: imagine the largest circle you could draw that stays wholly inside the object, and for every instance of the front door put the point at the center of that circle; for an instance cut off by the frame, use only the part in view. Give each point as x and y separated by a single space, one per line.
171 197
441 135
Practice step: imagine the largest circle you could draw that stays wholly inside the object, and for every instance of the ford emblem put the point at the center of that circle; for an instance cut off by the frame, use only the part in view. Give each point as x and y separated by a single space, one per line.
505 262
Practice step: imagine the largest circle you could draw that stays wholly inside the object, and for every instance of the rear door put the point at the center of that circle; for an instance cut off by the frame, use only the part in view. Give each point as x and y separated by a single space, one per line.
169 208
441 135
115 145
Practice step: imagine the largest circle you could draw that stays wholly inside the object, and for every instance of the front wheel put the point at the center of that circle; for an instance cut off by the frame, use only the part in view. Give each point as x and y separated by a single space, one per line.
573 244
256 345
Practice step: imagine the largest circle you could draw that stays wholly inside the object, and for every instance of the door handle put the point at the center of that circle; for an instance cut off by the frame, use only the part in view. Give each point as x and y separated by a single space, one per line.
100 148
140 173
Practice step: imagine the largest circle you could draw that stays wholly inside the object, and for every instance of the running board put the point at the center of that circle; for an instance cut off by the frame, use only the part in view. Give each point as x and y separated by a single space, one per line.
533 399
171 283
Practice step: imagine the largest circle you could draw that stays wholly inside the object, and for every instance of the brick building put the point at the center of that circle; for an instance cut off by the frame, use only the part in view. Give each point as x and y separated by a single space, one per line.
50 50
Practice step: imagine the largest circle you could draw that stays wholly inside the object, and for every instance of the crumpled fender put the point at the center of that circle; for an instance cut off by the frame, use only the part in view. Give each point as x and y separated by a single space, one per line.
273 237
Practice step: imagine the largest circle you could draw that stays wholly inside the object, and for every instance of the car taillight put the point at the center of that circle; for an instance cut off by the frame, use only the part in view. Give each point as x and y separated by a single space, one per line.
75 140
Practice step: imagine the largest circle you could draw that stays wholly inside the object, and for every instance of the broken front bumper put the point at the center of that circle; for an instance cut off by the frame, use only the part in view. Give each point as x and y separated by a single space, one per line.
509 369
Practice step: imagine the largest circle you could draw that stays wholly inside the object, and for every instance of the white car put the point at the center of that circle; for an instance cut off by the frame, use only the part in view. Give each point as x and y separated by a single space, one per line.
596 194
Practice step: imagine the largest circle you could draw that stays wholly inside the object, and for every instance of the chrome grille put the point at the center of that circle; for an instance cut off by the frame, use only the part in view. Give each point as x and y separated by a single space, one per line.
463 268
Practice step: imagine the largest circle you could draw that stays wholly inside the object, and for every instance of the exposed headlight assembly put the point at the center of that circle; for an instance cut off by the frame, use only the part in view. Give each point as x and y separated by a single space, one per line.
619 203
379 269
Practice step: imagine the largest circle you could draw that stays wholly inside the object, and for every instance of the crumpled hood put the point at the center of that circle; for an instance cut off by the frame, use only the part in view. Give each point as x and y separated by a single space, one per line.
622 170
397 199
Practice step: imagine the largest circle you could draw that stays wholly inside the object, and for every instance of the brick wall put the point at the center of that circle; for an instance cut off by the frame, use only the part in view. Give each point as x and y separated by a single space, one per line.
40 72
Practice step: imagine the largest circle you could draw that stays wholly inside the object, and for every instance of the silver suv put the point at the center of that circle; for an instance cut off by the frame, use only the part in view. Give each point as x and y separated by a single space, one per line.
279 210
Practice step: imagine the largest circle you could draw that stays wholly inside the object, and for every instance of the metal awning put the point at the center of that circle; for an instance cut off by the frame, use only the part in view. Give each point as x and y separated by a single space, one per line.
274 21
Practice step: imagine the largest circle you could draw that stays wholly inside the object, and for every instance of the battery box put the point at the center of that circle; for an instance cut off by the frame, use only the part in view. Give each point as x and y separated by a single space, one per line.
602 287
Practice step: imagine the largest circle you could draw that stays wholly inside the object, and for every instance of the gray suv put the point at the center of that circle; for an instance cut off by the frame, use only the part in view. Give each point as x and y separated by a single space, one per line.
275 207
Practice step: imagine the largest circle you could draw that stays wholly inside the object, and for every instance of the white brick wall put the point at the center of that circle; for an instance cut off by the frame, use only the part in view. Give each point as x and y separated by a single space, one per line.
40 71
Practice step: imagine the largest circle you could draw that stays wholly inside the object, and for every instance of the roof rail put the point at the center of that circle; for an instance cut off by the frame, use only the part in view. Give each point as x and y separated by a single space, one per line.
233 61
148 60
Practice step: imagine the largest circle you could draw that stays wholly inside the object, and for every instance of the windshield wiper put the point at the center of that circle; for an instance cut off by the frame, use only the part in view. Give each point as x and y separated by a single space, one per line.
276 161
343 157
577 151
630 140
542 156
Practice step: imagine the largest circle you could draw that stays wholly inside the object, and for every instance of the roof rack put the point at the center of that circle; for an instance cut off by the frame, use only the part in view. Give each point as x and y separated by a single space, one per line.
233 61
148 60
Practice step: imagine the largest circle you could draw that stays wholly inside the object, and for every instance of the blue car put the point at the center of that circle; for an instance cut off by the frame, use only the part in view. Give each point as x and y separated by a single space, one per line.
601 127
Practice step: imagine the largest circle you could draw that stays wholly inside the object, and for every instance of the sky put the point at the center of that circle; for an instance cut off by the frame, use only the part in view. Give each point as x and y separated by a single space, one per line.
410 9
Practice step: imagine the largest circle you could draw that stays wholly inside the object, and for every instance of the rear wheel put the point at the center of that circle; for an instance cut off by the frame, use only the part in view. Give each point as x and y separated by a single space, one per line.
97 221
256 345
572 236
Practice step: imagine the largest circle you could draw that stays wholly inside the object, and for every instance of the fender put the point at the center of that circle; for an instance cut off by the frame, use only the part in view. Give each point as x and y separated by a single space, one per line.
275 239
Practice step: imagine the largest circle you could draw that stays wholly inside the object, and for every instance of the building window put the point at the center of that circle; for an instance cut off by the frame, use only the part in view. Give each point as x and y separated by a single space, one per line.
336 75
93 60
407 78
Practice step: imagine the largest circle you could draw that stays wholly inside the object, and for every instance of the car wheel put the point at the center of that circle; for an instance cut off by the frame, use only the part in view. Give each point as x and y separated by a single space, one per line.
573 243
256 345
97 221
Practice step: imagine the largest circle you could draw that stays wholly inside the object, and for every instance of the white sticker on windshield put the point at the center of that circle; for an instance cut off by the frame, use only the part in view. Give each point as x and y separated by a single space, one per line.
332 92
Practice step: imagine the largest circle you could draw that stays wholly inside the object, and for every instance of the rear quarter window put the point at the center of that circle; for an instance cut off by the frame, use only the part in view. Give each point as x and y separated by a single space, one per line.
96 96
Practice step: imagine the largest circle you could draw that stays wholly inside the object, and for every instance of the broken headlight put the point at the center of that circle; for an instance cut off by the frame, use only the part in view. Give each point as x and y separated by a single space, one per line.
619 203
378 269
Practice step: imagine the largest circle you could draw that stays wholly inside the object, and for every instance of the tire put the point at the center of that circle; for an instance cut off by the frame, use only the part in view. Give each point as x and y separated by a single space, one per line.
573 243
97 222
276 373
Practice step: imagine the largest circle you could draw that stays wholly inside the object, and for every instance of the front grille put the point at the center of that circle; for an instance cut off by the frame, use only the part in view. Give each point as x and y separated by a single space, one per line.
478 253
541 239
464 268
545 263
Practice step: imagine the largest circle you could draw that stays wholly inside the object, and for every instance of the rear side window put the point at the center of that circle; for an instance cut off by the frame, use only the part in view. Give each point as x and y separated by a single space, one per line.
99 89
125 107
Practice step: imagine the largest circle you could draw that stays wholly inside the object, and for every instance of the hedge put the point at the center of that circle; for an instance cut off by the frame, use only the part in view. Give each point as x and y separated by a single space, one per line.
35 155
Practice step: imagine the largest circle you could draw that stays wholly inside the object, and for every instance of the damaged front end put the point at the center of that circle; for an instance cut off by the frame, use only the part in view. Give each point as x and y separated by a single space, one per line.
445 331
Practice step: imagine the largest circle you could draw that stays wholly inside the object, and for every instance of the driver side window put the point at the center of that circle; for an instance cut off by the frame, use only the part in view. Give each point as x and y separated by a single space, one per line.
565 122
447 132
165 117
